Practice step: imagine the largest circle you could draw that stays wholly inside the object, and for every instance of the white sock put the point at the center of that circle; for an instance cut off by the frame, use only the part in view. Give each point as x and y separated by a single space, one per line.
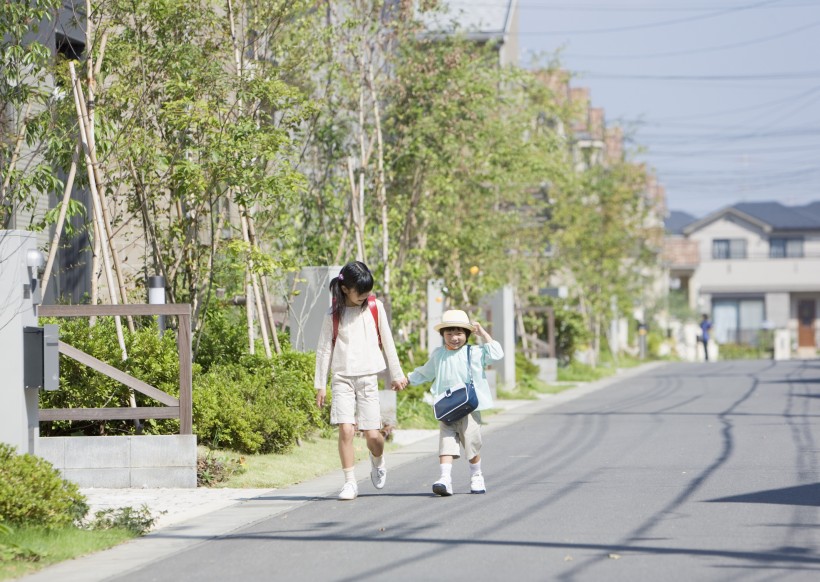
377 462
475 468
446 470
350 475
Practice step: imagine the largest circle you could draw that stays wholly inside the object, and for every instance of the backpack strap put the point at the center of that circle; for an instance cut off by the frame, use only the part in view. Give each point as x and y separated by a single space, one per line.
374 311
335 325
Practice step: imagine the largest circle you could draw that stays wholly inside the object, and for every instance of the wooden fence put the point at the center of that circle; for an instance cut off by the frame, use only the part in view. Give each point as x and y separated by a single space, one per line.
180 408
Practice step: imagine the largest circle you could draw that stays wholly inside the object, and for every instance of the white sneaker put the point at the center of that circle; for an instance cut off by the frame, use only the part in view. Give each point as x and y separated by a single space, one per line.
443 487
349 491
378 474
477 484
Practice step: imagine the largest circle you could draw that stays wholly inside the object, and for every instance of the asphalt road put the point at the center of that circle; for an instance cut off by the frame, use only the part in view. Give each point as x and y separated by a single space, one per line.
686 472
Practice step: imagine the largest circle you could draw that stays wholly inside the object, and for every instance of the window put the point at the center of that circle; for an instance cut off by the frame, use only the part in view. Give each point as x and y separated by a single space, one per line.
738 321
729 248
786 248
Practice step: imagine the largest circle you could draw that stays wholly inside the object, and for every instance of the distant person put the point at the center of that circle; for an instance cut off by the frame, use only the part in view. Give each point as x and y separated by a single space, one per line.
353 335
448 368
705 326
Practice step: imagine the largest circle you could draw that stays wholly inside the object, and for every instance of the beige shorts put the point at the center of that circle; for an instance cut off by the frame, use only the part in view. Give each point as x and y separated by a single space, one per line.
465 432
355 401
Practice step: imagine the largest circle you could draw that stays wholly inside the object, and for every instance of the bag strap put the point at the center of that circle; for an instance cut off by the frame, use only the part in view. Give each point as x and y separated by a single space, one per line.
469 365
374 311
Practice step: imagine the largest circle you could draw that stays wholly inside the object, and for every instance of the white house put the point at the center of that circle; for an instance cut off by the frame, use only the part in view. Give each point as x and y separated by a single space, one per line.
754 266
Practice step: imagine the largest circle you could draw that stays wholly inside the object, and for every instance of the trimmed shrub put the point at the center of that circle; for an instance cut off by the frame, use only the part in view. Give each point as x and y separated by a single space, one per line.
33 493
257 405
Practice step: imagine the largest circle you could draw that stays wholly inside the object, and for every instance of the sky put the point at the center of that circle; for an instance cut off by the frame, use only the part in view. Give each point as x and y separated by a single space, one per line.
720 97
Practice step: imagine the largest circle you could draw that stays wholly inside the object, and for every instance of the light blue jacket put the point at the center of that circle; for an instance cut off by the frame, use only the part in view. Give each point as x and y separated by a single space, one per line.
448 368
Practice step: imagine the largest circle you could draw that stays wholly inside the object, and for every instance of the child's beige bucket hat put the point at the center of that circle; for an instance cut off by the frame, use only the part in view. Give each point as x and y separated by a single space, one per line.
454 318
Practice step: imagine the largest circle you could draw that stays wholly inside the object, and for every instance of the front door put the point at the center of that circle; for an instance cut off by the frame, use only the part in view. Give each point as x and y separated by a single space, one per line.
806 313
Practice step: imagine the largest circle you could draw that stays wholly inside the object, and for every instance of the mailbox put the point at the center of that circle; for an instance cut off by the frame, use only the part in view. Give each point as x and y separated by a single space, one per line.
41 357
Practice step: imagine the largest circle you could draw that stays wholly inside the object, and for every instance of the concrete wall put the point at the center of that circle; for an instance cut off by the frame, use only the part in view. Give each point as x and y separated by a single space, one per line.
118 462
310 306
502 309
19 425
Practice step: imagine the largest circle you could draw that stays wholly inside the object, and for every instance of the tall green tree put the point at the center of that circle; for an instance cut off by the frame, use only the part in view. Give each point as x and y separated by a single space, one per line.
27 97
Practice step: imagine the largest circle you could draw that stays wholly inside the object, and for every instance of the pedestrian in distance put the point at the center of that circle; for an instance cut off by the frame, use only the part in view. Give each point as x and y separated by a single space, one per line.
705 327
354 342
452 365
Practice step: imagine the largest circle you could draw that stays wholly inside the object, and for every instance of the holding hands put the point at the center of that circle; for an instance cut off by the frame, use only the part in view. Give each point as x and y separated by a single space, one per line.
399 385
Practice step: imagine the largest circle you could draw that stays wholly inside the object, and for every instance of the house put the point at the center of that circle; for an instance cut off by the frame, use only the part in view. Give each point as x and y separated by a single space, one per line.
753 266
492 21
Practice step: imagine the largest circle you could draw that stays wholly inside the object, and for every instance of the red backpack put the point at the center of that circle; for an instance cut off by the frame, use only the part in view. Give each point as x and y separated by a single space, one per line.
374 311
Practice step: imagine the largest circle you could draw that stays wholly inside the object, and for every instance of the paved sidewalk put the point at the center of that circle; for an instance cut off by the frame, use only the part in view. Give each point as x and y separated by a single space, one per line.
172 506
193 516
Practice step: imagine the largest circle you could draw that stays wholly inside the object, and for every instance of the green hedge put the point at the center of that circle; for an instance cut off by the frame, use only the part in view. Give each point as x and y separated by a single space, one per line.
33 493
258 405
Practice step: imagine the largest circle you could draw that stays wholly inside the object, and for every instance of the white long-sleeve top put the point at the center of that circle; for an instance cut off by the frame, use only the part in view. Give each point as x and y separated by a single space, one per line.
357 350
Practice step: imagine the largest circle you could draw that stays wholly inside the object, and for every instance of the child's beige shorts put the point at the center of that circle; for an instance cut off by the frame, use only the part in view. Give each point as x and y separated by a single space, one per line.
465 432
355 401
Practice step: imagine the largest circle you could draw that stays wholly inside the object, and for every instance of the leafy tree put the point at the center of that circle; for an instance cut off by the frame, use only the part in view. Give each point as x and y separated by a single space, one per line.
26 101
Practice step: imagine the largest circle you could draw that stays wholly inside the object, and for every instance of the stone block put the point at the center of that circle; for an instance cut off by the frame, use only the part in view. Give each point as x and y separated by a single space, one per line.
98 451
52 449
163 451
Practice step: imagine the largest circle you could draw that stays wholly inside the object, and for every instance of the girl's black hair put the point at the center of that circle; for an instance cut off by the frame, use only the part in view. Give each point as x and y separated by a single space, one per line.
354 275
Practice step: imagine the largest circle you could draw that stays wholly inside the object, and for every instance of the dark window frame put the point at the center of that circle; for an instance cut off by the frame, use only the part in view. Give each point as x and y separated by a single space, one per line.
786 247
729 249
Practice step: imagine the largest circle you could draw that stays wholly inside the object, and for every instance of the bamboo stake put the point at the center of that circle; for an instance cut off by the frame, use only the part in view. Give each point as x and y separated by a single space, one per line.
96 268
109 232
257 296
58 229
265 293
358 228
382 191
97 213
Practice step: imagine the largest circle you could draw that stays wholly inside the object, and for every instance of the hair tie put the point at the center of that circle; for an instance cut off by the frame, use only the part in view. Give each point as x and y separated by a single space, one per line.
341 277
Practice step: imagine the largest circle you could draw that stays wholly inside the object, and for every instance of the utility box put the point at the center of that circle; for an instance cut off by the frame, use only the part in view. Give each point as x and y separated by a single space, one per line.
41 357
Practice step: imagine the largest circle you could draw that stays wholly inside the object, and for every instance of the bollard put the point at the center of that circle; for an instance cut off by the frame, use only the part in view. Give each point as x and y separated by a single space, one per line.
156 296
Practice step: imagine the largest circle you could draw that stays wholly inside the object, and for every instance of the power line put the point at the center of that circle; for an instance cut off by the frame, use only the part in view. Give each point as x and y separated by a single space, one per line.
610 7
663 23
761 77
656 55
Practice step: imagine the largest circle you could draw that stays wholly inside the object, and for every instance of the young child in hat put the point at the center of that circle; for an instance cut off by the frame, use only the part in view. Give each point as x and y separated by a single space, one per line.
446 368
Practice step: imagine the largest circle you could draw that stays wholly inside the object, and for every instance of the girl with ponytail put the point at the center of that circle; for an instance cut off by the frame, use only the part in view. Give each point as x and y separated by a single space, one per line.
354 341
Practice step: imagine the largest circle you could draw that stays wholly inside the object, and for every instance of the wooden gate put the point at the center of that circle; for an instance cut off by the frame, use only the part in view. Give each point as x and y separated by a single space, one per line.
181 408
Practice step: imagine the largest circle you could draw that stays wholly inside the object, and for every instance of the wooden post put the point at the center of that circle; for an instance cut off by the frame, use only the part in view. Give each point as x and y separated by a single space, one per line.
185 376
